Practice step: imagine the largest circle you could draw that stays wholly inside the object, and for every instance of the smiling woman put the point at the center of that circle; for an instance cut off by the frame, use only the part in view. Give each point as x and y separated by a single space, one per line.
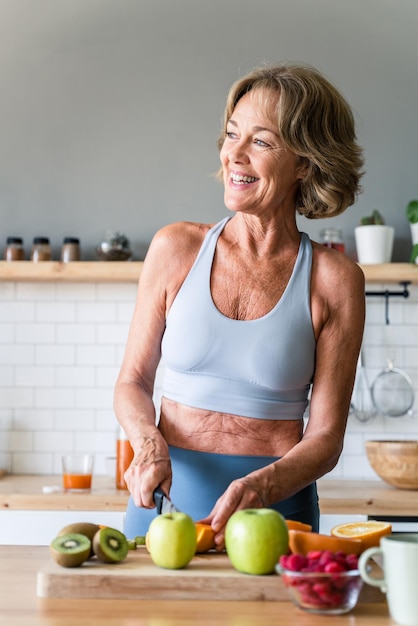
250 318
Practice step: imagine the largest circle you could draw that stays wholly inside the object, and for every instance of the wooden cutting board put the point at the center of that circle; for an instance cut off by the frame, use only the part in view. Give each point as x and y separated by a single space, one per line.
208 577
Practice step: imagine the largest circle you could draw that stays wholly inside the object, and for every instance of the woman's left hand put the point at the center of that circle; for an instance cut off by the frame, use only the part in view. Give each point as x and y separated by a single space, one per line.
243 493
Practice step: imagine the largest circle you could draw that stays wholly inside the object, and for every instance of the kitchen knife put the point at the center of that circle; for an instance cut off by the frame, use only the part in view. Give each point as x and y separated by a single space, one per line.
163 502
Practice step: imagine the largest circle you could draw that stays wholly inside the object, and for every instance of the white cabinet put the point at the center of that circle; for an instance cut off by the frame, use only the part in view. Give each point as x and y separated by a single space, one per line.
38 528
328 521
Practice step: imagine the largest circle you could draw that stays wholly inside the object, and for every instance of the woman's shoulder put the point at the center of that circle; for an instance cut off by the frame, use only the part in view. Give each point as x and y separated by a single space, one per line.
174 248
180 237
334 270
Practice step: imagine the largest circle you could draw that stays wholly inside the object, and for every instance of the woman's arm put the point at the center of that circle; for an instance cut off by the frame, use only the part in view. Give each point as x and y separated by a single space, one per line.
168 261
133 396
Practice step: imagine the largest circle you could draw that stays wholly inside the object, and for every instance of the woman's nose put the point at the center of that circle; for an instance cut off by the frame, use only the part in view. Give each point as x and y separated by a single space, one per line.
238 153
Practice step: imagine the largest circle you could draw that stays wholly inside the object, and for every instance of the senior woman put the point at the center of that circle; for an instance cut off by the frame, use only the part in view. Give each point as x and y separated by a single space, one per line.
251 318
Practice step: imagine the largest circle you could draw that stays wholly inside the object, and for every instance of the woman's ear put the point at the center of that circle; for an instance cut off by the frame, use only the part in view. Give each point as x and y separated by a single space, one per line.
302 167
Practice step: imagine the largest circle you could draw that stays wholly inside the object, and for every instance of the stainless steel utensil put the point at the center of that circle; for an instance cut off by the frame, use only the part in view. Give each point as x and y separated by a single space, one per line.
363 407
163 502
392 391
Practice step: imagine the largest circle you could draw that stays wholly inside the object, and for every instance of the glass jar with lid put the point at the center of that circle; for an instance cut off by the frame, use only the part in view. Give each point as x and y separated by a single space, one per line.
332 238
14 249
41 249
70 250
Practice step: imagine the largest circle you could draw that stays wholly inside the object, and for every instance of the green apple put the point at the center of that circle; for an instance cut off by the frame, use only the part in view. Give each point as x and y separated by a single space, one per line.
255 539
171 540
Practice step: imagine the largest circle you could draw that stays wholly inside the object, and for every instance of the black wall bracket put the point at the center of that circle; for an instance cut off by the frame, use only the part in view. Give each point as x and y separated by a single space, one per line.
389 294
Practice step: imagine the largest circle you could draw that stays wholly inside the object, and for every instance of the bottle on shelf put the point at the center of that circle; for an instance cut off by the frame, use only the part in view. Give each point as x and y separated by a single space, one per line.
124 456
70 250
332 238
14 249
41 249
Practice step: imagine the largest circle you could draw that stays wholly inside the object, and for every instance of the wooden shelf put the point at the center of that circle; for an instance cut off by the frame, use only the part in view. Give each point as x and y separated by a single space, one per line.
76 272
129 271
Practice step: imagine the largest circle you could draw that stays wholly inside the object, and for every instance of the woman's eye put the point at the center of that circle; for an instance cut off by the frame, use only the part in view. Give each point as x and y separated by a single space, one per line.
231 135
262 143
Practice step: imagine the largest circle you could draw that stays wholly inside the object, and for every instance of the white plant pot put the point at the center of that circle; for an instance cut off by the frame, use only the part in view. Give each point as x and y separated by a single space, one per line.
374 243
414 233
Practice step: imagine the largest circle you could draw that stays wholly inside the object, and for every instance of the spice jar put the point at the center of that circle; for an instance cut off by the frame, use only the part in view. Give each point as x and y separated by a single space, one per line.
14 249
70 250
332 238
124 456
41 249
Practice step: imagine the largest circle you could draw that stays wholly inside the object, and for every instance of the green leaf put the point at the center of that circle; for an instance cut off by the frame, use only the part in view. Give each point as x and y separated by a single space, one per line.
377 218
374 218
414 253
412 211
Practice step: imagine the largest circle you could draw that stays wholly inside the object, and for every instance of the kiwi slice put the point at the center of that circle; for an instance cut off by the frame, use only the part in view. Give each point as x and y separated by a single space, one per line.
110 545
70 550
81 528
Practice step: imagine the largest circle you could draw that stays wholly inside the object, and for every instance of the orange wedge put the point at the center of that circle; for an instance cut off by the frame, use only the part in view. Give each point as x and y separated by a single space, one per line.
302 542
205 537
369 533
295 525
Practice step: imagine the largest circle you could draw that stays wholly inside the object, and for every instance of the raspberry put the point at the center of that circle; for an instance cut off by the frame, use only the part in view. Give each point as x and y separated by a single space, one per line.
314 555
334 568
296 562
326 557
352 561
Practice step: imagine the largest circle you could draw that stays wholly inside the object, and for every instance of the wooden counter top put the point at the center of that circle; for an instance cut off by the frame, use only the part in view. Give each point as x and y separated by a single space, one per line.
25 493
19 605
19 493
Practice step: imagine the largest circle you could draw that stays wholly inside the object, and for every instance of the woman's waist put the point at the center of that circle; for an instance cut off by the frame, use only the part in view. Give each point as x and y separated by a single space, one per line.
223 433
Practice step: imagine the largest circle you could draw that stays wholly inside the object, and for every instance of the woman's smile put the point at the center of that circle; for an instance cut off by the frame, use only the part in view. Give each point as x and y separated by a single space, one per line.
241 179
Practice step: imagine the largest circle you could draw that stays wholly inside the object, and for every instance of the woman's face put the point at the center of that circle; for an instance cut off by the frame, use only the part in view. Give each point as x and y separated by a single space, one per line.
260 175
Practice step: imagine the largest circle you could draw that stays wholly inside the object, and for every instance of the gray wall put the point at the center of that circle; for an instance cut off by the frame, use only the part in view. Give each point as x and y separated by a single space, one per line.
110 109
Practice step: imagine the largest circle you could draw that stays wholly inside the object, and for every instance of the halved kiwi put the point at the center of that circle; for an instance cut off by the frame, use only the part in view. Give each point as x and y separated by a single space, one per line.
71 549
110 545
87 529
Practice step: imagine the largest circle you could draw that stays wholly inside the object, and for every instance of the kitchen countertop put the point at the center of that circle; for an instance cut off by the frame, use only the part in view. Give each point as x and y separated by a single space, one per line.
19 605
22 492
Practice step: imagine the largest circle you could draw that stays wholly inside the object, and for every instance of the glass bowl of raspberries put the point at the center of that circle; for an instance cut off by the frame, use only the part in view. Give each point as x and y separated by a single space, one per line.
322 582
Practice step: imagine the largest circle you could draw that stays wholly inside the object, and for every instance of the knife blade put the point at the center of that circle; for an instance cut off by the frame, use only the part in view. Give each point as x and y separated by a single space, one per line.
163 502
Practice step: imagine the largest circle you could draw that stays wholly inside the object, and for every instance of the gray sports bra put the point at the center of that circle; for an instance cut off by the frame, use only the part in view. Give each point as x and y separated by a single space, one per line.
258 368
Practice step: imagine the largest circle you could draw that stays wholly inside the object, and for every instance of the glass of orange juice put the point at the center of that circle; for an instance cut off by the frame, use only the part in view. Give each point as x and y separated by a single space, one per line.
77 472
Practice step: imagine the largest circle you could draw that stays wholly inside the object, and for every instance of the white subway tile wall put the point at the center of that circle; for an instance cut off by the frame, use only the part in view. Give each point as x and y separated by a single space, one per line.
61 346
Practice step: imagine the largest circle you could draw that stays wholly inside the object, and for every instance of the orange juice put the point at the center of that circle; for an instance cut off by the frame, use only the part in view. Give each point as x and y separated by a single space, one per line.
76 482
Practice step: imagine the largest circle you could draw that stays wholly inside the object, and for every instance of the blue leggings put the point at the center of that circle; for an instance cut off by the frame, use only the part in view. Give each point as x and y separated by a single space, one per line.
200 478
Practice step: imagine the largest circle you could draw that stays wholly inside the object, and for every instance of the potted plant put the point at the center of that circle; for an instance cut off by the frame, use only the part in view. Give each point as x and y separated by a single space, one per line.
374 239
412 216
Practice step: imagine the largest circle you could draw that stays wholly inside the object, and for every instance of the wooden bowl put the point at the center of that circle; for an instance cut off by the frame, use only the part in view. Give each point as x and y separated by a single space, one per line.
396 462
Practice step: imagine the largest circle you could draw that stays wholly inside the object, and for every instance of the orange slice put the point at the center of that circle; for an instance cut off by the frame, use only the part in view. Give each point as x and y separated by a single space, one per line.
205 537
302 542
369 533
295 525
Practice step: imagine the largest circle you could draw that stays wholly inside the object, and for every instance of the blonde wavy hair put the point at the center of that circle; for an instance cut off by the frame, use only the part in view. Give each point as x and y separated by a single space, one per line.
314 121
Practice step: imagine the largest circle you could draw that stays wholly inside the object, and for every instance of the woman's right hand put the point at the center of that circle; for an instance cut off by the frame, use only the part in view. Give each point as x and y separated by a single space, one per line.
150 468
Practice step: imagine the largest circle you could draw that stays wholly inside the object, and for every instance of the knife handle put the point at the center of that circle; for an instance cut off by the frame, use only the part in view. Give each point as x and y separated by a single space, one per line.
158 499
